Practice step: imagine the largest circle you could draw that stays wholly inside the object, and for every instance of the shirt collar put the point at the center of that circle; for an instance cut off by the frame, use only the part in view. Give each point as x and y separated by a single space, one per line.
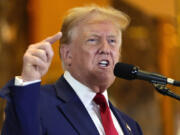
85 94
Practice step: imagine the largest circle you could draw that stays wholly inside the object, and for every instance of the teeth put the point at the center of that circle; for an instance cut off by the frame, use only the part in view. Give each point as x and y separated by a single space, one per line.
104 63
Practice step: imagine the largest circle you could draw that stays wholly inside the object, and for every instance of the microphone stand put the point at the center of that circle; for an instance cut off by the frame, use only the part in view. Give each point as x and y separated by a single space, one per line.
161 88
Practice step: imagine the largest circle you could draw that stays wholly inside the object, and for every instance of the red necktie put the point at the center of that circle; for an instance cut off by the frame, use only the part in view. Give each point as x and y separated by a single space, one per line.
105 115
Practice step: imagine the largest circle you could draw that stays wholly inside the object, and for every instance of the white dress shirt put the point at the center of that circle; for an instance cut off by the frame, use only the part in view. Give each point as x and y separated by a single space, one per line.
86 96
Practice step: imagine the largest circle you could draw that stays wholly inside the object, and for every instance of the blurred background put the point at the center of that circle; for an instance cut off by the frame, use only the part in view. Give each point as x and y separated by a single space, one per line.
151 42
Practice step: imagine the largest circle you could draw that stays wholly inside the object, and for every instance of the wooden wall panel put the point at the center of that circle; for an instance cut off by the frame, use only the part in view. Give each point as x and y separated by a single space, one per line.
13 41
165 56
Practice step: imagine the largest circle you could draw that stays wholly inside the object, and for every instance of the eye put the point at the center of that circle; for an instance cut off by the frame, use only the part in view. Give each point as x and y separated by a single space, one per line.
92 40
112 41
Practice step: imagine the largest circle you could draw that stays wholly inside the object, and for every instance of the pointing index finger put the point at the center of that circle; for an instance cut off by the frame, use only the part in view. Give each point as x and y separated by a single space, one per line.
52 39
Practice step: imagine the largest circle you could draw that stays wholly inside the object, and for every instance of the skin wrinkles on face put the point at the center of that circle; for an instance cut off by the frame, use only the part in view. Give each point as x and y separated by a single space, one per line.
94 50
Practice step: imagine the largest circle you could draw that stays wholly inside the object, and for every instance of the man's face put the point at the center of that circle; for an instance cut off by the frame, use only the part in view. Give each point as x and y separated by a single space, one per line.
94 50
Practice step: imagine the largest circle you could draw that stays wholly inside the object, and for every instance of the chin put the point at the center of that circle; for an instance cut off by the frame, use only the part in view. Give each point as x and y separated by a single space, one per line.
105 84
106 79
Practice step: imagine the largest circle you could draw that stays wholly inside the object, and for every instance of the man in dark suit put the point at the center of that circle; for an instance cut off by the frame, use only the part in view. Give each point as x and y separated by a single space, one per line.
77 104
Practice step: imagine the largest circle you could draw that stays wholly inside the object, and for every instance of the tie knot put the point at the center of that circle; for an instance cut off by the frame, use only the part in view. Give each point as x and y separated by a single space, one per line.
100 100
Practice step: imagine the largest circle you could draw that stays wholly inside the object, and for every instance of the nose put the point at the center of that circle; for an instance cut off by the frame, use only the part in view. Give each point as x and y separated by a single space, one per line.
104 48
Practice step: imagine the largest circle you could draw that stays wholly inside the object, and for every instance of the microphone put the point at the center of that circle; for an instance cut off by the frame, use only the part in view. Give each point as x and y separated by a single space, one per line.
131 72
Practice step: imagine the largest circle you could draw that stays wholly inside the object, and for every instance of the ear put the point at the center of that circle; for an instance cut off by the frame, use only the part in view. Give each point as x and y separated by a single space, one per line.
66 54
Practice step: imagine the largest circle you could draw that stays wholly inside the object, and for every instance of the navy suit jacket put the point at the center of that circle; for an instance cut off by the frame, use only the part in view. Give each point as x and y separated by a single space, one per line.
52 110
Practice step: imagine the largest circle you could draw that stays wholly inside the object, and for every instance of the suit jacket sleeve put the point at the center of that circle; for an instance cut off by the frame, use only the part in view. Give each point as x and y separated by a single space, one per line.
22 110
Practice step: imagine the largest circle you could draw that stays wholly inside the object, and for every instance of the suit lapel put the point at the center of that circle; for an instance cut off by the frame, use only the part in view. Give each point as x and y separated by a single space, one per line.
73 109
124 125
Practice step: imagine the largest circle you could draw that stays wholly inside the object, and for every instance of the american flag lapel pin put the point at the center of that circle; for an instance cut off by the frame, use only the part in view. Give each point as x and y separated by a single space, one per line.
128 127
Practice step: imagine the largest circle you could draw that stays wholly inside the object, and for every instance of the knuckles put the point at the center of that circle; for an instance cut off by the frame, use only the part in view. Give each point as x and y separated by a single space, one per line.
37 55
42 48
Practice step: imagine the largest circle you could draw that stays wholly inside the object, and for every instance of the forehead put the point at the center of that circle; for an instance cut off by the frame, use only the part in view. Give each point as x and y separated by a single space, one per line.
98 27
101 27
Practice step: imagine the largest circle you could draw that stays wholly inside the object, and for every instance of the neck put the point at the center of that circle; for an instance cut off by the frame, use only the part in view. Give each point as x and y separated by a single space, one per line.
98 86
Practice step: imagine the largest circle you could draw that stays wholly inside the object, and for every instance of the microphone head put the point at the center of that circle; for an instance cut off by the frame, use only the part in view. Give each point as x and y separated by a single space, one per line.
125 71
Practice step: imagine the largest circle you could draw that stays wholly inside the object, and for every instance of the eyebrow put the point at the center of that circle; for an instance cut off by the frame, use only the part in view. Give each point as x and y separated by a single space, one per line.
93 34
96 35
113 36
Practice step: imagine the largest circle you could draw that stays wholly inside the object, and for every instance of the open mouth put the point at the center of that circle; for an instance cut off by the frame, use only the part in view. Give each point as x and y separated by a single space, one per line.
104 63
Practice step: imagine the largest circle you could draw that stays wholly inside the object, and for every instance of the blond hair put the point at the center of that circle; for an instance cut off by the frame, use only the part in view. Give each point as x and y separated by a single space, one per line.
79 14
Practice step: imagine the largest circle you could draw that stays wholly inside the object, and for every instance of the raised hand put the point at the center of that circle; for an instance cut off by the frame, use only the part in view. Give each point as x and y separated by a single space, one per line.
37 58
